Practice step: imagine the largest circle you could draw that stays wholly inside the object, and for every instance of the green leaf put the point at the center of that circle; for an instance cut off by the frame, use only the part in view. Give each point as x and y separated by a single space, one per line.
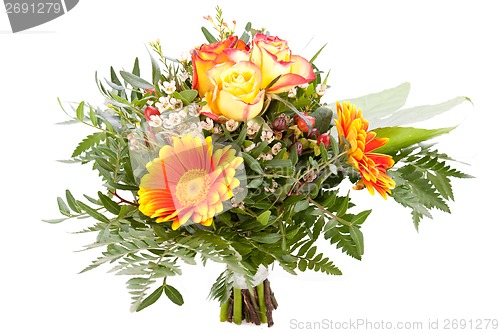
210 38
317 54
135 81
93 117
323 118
277 164
302 265
255 183
63 208
267 238
136 70
88 142
114 78
311 252
109 204
55 221
442 184
300 206
379 105
324 152
292 200
357 237
151 299
419 113
92 212
402 137
72 202
155 69
252 163
241 137
188 96
361 217
264 217
80 111
173 294
343 206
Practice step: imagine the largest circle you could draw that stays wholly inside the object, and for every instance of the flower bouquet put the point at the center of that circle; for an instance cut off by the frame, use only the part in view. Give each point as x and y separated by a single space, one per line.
231 155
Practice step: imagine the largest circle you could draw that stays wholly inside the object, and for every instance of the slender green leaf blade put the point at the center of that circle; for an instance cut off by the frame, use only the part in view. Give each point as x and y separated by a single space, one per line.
357 237
252 163
63 208
401 137
135 81
151 299
210 38
109 204
80 111
267 238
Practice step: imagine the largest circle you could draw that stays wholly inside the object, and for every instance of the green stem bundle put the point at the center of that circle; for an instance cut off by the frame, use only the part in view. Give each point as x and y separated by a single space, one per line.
254 305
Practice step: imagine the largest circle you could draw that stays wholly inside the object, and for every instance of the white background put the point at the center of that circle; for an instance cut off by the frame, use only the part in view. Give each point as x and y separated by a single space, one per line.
447 270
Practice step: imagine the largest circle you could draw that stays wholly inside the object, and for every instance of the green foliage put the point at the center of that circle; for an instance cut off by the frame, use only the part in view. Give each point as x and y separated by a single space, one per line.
423 182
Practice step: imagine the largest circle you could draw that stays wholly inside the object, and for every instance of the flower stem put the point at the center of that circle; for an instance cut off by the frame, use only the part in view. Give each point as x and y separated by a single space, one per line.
237 306
223 311
262 303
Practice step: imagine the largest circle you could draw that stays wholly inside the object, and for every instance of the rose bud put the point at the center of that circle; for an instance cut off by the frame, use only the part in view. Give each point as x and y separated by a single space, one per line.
150 111
279 124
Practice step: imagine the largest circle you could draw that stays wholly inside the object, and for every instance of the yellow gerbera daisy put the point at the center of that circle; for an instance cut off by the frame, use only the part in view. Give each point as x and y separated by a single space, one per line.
372 166
189 181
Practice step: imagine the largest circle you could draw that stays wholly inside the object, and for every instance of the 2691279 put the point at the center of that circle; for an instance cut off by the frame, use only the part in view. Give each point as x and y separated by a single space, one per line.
33 8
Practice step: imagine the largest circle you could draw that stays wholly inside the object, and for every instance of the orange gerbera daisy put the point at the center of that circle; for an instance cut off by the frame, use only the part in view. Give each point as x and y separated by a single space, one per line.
189 181
372 166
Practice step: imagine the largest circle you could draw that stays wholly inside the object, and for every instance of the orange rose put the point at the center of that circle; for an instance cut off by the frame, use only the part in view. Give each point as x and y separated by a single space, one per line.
272 55
206 57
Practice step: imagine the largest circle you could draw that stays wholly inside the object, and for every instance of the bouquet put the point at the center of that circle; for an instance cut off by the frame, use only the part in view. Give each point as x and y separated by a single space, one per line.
231 155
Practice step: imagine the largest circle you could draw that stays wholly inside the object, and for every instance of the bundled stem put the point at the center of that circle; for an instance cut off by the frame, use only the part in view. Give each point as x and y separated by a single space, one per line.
254 305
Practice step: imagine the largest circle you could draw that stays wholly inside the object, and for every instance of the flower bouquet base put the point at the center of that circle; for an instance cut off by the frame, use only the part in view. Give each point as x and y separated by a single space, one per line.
254 305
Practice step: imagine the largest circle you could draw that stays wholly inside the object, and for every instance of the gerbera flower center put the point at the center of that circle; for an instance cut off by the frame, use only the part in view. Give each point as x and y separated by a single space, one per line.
192 187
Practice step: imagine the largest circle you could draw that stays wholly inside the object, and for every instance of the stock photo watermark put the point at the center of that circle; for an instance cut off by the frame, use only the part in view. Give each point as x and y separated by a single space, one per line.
363 324
26 14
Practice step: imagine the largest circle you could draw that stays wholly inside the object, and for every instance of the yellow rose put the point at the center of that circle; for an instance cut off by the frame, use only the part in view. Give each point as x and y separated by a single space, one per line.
237 92
207 56
272 55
